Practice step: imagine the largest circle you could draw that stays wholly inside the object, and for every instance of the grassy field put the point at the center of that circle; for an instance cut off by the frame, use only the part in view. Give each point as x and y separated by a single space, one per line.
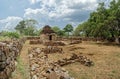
106 60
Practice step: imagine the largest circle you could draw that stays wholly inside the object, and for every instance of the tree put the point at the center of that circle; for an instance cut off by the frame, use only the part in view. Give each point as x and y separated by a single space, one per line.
60 33
68 28
114 20
56 29
21 26
103 23
96 21
29 31
37 32
26 27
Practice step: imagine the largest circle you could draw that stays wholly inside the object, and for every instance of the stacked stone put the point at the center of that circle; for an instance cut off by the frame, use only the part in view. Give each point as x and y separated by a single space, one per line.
43 68
33 38
52 49
54 43
38 41
9 50
58 43
75 38
75 58
92 39
75 42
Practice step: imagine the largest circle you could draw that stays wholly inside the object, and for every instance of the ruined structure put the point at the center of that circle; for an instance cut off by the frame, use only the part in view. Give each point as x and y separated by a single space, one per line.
47 34
43 68
9 51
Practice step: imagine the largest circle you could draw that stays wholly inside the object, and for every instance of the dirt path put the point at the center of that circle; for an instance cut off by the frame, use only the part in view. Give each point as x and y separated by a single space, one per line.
22 70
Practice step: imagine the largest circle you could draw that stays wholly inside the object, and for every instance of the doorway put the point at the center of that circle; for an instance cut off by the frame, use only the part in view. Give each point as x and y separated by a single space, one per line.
50 37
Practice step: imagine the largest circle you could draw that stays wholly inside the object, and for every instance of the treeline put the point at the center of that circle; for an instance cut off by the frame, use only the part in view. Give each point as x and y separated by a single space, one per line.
103 23
27 27
23 28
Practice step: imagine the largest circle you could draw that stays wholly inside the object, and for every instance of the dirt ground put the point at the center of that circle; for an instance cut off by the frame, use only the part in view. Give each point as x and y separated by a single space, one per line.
106 60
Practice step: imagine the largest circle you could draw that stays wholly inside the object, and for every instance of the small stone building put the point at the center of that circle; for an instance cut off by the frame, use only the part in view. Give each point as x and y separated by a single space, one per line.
47 34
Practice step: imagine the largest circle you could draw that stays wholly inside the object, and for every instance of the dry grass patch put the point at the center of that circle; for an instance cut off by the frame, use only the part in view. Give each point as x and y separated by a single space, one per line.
106 60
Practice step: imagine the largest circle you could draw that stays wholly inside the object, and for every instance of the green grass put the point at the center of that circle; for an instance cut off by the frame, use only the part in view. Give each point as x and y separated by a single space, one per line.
21 69
4 38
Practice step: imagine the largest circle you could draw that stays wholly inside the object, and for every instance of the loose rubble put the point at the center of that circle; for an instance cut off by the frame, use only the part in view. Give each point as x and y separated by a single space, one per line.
52 49
9 50
75 58
75 42
33 38
38 41
54 43
43 68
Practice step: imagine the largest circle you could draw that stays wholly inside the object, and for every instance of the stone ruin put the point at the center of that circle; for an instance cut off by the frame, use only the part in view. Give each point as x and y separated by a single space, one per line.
34 41
33 38
54 43
75 58
43 68
47 43
52 49
47 34
75 42
9 51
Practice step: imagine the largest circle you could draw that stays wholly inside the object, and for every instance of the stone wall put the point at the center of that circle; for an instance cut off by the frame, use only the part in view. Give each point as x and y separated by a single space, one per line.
43 68
9 51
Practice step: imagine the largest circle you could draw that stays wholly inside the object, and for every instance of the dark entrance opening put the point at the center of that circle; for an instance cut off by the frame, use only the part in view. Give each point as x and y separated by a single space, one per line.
50 37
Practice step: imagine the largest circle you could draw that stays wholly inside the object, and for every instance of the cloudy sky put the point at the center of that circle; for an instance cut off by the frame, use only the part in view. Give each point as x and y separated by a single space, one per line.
46 12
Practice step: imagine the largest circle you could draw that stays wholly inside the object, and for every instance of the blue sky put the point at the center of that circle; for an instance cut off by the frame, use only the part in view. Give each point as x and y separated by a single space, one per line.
46 12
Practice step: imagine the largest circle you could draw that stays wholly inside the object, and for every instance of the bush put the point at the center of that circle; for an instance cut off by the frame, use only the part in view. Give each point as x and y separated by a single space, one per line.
11 34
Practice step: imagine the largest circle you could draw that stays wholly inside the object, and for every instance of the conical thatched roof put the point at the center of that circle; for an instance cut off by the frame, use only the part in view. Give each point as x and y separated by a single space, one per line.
47 30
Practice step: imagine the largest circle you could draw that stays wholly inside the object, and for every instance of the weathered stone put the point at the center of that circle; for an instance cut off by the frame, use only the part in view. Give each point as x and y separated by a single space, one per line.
40 66
9 50
31 55
34 77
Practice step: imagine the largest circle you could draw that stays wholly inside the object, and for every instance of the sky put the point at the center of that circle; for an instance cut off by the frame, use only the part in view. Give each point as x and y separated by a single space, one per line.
46 12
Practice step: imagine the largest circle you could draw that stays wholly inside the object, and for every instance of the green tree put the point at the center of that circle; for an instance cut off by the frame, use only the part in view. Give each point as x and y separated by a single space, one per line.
68 28
26 27
114 20
61 33
29 31
56 29
103 23
21 26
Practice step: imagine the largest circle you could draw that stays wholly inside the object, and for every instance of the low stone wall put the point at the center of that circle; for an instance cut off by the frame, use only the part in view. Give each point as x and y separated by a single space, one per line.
9 51
75 58
35 42
33 38
43 68
54 43
75 42
52 49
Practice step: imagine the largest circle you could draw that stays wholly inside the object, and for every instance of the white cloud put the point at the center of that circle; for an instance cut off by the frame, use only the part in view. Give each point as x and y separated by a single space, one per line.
57 11
9 23
33 1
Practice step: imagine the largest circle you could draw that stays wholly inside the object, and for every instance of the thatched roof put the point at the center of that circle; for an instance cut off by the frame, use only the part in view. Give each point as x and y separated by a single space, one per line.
47 30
